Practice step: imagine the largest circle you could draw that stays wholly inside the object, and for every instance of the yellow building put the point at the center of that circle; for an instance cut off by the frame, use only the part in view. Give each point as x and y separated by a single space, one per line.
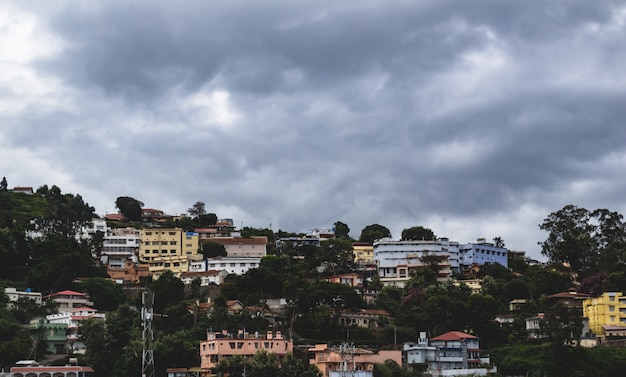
609 309
363 254
168 249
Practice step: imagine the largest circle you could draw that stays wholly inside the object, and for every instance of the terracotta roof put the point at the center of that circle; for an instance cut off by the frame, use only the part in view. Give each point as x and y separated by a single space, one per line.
569 294
454 335
67 293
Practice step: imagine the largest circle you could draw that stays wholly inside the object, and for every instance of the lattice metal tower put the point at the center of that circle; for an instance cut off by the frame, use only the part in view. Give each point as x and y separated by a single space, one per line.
147 359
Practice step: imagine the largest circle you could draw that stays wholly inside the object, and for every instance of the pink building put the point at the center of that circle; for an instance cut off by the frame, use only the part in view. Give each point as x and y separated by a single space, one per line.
221 345
351 279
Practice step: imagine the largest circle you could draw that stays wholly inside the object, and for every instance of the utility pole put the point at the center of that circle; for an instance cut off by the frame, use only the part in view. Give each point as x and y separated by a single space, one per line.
147 313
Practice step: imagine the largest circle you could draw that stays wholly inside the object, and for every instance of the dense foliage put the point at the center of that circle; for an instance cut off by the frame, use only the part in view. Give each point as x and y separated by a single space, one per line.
40 250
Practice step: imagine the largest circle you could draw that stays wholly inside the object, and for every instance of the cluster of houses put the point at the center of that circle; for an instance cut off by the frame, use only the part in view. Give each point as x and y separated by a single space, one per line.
131 254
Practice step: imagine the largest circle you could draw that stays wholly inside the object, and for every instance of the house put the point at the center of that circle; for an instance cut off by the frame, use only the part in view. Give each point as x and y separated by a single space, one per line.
454 353
14 295
23 190
222 228
364 318
73 318
364 255
242 247
607 309
351 279
569 299
533 326
347 359
54 335
211 277
128 272
474 284
68 300
220 345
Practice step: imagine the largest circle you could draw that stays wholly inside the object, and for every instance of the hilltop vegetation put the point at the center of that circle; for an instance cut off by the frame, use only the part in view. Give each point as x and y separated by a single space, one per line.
591 242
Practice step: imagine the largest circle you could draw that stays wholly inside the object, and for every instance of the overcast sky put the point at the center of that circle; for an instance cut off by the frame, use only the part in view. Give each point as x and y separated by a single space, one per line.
472 118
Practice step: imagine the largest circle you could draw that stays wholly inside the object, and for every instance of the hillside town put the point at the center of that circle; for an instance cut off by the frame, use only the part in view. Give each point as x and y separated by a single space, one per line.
221 260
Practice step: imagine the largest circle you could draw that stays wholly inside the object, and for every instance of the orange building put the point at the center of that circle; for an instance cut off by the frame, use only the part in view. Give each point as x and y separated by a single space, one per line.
220 345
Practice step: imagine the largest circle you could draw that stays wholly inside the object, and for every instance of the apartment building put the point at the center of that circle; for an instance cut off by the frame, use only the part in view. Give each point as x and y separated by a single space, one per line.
396 259
454 353
608 311
480 253
220 345
232 265
168 249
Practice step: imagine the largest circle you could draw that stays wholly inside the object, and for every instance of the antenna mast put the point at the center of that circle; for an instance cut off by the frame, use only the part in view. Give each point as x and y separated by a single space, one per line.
147 359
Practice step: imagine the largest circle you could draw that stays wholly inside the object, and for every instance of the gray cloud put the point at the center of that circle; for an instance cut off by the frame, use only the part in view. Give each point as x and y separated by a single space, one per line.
475 119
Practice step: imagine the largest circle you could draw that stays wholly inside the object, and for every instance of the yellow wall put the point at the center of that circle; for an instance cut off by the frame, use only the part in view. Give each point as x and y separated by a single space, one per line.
607 309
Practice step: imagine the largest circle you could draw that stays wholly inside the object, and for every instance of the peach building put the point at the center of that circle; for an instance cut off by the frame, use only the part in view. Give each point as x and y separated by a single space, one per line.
221 345
346 357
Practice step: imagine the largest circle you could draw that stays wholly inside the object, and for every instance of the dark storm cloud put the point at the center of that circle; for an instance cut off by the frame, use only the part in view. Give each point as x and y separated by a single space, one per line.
474 118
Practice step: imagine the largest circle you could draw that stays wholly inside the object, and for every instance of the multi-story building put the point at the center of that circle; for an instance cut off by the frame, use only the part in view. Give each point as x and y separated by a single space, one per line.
347 360
236 266
168 249
454 353
14 295
222 228
73 318
609 309
364 255
54 335
396 259
220 345
68 300
129 272
242 247
480 253
120 244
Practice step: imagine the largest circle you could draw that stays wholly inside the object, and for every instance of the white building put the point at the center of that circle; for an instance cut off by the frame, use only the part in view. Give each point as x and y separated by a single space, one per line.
119 245
396 259
234 265
14 295
211 277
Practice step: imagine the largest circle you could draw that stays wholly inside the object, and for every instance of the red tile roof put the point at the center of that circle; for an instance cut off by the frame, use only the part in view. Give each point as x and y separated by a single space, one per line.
454 335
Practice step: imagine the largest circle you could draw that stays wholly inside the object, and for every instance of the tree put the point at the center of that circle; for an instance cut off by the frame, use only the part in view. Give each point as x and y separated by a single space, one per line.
129 207
570 239
213 249
498 242
264 364
291 366
418 233
168 291
197 210
374 232
341 230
